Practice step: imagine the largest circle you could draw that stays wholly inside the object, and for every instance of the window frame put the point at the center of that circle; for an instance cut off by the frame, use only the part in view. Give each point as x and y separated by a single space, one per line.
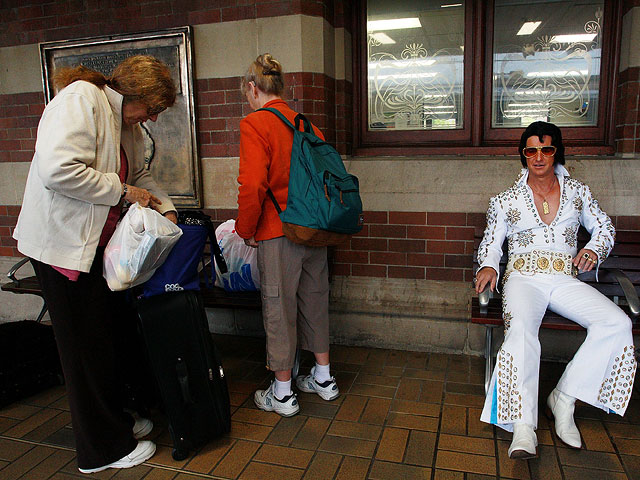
477 137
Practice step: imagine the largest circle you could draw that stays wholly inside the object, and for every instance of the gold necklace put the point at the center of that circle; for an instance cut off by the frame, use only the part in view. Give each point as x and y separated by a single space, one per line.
545 204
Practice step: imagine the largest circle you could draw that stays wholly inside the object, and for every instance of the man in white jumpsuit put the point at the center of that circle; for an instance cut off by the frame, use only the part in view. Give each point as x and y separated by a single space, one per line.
540 216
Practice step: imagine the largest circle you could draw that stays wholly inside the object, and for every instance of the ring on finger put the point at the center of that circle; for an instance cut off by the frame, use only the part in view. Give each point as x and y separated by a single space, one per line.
586 255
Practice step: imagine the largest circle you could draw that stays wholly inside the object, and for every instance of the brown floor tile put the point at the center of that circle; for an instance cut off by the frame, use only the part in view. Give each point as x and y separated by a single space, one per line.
389 371
51 464
460 443
163 458
209 455
416 422
465 388
417 360
322 409
324 465
161 474
49 427
264 471
623 430
12 449
437 361
6 423
347 446
351 408
466 462
19 411
632 466
259 417
286 430
415 408
464 400
380 380
448 475
353 468
236 459
627 446
355 430
438 375
409 389
595 436
385 471
285 456
431 391
47 397
574 473
250 431
26 463
373 391
475 427
311 433
454 420
392 445
376 411
420 448
585 459
511 468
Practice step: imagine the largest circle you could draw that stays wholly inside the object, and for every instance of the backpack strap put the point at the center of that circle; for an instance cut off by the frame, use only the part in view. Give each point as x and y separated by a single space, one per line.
299 117
275 202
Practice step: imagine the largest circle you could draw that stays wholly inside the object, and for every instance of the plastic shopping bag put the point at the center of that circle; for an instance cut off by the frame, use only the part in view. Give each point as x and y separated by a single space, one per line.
242 261
140 244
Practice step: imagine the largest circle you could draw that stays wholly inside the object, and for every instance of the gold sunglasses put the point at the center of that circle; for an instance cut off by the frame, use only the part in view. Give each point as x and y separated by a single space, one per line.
546 150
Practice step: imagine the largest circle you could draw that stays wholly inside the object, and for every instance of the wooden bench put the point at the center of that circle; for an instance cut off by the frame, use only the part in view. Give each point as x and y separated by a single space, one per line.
619 279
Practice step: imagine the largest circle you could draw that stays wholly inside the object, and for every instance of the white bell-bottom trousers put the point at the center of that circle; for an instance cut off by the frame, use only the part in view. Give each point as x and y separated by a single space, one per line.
601 372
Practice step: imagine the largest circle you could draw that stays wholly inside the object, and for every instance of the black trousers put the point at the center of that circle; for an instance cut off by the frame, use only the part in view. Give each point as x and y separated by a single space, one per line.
97 339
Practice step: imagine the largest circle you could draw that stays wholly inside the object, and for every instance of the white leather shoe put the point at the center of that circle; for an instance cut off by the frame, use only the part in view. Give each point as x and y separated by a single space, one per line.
524 443
561 407
142 428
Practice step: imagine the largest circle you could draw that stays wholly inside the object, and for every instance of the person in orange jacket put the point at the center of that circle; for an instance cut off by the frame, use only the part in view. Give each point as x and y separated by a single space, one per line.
294 278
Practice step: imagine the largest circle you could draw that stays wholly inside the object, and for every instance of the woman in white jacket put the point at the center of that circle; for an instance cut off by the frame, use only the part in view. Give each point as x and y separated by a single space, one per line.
89 158
540 216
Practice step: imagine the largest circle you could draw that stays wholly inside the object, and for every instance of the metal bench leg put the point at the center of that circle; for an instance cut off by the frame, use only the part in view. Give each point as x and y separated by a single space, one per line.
296 366
42 311
488 363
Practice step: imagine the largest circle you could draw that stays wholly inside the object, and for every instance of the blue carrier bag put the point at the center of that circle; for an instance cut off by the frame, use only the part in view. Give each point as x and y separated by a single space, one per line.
180 269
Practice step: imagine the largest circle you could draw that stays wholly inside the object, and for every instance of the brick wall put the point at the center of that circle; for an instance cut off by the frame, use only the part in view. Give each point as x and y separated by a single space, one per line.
33 21
19 116
627 116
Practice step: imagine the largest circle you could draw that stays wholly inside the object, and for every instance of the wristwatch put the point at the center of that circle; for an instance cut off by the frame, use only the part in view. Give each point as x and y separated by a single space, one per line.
125 189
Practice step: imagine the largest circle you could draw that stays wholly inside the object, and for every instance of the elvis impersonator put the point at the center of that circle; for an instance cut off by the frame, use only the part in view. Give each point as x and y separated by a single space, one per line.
540 216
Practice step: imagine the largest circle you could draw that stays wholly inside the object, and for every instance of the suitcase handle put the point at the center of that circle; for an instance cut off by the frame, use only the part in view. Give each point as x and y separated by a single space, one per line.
183 380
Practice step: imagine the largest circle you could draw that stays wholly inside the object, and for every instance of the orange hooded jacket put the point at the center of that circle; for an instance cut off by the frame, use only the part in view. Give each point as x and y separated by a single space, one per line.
265 158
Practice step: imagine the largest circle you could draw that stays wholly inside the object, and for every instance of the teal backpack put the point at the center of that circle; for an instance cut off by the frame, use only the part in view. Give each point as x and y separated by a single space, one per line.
324 206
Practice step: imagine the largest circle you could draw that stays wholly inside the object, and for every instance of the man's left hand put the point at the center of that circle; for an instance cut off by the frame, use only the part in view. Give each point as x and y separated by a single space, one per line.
585 260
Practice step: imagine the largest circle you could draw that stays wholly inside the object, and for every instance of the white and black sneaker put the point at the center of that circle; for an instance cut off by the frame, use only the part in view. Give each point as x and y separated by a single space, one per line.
327 390
267 401
143 452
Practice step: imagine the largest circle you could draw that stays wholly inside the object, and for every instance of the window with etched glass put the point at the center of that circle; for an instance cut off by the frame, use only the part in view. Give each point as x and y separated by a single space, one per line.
415 65
546 62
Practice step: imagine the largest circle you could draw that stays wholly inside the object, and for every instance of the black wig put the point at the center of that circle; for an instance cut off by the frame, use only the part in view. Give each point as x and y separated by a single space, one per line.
540 129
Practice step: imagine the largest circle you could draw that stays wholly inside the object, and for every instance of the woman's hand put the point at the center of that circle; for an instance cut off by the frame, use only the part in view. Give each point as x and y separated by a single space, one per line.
171 215
251 242
142 196
585 260
486 276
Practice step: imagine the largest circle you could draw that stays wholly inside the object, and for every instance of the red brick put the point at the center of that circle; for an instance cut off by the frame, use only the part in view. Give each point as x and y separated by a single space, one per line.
437 246
445 274
217 150
364 232
425 259
227 110
226 83
388 258
446 218
20 156
211 16
406 272
368 244
3 210
476 219
626 222
216 97
13 210
234 96
388 231
341 269
426 232
406 245
349 256
7 252
369 270
460 233
8 242
458 261
212 124
407 218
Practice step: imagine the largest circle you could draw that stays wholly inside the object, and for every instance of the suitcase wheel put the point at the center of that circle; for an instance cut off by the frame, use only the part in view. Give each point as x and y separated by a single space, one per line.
179 454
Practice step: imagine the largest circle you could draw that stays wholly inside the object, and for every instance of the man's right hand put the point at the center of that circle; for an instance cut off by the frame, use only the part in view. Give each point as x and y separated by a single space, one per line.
486 276
142 196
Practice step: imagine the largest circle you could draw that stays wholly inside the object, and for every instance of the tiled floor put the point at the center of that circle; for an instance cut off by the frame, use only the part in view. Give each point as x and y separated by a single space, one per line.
401 415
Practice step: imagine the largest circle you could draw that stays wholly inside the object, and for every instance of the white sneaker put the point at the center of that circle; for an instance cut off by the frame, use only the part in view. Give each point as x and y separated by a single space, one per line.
267 401
143 452
327 390
142 427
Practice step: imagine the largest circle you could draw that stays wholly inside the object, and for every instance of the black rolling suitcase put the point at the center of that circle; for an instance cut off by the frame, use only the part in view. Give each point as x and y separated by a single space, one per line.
29 361
187 368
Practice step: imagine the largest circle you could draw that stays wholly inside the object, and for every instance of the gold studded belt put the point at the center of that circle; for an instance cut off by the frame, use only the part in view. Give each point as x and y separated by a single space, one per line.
541 261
